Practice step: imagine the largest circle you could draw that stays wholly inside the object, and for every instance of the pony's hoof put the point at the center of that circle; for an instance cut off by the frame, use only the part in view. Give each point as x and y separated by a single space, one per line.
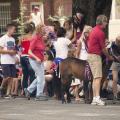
28 98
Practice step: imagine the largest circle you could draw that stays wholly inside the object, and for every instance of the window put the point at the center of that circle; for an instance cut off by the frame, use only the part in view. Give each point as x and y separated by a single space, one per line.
5 16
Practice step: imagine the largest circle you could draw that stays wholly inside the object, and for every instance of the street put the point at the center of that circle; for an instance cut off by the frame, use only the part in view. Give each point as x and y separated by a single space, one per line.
21 109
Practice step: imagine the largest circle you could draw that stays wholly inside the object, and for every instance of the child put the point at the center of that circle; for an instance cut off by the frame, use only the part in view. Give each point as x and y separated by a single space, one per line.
62 45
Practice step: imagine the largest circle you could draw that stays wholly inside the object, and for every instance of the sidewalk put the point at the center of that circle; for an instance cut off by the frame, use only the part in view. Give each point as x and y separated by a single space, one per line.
21 109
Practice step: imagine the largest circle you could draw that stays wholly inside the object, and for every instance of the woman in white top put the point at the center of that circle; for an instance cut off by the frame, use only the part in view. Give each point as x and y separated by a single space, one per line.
81 51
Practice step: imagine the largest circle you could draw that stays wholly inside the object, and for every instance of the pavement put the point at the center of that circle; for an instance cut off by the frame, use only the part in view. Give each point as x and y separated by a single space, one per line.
22 109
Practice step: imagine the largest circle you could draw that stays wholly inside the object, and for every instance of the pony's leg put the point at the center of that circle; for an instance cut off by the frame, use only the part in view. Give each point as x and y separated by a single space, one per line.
85 88
65 97
68 94
63 93
66 80
88 91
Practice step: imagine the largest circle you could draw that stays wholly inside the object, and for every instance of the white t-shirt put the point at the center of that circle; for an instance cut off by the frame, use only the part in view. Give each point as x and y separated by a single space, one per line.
69 33
83 53
8 43
61 47
36 18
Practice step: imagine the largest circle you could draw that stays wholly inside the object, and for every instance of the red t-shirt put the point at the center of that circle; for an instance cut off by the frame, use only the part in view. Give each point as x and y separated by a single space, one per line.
37 46
96 41
25 45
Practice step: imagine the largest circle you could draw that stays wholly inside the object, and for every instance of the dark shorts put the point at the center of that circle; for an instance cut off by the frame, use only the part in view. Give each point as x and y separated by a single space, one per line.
9 70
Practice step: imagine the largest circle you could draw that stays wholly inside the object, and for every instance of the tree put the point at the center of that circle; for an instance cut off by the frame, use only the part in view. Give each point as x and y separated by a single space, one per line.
93 8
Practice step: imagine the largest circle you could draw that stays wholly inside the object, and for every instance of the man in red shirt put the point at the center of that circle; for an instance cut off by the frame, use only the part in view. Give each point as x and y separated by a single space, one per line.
96 46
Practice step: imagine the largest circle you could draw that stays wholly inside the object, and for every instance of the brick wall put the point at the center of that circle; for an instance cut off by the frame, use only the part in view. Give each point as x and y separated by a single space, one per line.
50 7
48 10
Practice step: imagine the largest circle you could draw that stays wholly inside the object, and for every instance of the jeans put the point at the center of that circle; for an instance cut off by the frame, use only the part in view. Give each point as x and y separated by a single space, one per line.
28 72
39 82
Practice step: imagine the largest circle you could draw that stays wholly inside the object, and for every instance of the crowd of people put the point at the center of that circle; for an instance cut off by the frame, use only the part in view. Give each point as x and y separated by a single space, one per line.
30 68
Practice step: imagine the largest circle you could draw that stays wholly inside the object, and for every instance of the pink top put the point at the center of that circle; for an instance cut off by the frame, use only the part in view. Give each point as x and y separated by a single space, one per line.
37 46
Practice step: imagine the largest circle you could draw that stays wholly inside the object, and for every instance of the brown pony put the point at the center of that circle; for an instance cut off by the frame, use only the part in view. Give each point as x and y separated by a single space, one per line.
74 68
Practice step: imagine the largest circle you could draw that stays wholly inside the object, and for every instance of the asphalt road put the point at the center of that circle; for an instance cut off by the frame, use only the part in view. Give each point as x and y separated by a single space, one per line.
21 109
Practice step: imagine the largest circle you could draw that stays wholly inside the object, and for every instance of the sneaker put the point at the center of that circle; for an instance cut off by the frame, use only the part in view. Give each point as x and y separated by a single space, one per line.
7 97
41 98
27 94
94 102
100 102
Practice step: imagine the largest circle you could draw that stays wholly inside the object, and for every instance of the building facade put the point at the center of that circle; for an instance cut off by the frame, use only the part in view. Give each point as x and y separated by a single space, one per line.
114 25
10 9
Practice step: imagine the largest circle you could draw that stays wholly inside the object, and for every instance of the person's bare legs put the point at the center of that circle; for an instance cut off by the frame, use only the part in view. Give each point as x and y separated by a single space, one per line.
4 82
115 79
94 88
105 84
13 87
9 87
16 87
77 98
97 86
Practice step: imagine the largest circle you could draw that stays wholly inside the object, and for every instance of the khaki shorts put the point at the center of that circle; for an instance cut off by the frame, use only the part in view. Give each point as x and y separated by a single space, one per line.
95 63
115 66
